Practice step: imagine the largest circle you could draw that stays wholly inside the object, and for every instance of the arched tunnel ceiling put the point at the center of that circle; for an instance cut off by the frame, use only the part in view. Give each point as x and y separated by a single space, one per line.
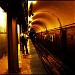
47 13
46 19
38 28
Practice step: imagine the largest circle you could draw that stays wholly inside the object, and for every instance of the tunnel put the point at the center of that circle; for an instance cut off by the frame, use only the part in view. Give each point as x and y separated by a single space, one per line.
37 37
51 21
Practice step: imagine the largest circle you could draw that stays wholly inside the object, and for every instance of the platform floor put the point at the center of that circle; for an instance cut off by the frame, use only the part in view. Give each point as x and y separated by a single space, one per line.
28 64
31 63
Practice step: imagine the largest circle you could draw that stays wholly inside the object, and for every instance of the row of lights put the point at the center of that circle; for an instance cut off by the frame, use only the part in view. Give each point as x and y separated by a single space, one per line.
30 16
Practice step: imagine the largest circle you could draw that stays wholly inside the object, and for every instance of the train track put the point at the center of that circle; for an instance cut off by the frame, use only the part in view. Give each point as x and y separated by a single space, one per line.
51 63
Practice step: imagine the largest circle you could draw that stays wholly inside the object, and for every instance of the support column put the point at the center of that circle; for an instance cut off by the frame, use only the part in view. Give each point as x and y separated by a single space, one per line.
13 66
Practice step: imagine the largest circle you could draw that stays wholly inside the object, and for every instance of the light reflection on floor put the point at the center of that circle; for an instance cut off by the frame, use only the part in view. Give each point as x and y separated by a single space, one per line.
24 61
28 46
3 65
28 64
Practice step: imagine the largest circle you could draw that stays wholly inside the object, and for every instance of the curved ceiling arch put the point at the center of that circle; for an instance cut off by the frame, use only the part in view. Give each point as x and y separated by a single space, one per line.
47 19
37 28
43 28
59 8
47 24
50 18
34 29
64 10
38 22
40 15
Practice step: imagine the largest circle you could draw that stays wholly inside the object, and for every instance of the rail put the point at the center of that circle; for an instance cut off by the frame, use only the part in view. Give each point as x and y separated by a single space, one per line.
52 64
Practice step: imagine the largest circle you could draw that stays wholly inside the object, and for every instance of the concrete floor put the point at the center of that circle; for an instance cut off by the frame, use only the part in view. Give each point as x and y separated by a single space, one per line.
28 64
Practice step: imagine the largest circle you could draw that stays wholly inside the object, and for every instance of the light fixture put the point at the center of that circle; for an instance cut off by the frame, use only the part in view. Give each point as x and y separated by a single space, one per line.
31 2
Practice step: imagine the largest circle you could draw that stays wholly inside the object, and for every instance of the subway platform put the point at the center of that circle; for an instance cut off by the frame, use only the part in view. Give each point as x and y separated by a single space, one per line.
28 64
